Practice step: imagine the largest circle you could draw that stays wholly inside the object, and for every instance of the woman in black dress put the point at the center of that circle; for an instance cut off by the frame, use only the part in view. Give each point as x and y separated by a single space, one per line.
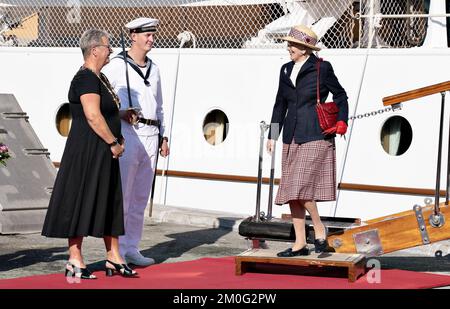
87 195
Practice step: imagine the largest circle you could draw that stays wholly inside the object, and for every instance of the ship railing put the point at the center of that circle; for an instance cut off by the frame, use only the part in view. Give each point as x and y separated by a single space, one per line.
436 219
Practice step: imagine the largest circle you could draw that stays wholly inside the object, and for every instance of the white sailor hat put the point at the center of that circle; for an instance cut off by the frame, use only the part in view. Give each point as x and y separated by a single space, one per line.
142 24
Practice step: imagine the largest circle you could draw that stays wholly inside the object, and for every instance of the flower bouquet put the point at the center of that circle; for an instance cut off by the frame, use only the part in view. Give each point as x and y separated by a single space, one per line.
4 154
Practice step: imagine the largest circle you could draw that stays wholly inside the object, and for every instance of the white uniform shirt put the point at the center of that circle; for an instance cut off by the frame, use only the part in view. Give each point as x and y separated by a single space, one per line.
148 98
296 69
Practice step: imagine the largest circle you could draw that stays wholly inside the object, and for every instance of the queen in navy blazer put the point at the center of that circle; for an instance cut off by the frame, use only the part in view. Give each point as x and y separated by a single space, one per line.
309 159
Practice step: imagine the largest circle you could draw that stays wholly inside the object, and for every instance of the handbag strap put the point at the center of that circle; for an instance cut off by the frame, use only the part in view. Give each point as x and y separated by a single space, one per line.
318 82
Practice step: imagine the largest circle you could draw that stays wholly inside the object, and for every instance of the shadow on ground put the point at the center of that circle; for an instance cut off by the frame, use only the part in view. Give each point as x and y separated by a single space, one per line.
186 241
24 258
182 243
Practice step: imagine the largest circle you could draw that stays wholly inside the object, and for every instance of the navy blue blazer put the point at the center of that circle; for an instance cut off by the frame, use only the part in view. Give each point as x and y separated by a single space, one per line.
295 107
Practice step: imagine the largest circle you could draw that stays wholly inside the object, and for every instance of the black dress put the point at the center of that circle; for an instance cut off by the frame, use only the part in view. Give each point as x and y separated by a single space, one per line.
87 195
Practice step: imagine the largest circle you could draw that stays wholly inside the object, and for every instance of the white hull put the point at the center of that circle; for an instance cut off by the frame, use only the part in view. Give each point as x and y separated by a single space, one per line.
243 83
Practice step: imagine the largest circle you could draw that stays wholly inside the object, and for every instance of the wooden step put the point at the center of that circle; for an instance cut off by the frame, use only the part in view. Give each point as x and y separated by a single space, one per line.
354 263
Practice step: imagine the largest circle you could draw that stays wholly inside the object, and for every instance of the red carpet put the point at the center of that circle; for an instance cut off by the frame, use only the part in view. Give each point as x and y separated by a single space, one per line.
218 273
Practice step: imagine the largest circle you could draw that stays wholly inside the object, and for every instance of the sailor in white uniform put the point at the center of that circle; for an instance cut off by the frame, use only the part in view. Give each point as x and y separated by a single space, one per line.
143 130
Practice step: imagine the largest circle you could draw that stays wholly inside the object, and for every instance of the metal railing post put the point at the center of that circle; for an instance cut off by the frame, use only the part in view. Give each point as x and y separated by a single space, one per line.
448 161
271 182
263 126
436 219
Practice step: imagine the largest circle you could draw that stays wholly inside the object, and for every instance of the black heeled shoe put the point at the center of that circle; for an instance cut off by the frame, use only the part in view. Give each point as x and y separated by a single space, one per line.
123 269
75 271
290 253
321 245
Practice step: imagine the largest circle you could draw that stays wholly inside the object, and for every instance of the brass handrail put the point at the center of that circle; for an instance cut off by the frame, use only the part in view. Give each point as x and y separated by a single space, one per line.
388 189
416 93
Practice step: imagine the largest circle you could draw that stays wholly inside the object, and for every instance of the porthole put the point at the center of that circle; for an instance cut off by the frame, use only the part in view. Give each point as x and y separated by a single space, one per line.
63 119
396 136
215 127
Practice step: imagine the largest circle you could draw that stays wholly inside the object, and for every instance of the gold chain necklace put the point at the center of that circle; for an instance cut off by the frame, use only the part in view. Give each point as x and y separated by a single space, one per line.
107 85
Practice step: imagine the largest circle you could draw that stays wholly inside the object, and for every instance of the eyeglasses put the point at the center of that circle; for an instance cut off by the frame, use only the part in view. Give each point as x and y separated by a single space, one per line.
107 46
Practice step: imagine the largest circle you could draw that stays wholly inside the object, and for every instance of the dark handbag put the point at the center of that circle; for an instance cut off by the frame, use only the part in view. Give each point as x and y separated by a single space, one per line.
327 113
283 229
267 229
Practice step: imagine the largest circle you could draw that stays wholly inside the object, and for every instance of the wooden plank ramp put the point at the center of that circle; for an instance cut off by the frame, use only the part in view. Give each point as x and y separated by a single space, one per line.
354 263
391 233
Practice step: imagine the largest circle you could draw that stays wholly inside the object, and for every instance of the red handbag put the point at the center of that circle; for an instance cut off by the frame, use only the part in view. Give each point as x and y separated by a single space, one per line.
327 113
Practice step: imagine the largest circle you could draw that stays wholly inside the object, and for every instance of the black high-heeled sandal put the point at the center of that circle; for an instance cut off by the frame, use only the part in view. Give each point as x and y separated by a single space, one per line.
78 272
123 269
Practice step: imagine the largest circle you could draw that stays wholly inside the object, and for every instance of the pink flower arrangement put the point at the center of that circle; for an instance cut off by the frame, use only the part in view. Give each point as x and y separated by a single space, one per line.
4 154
